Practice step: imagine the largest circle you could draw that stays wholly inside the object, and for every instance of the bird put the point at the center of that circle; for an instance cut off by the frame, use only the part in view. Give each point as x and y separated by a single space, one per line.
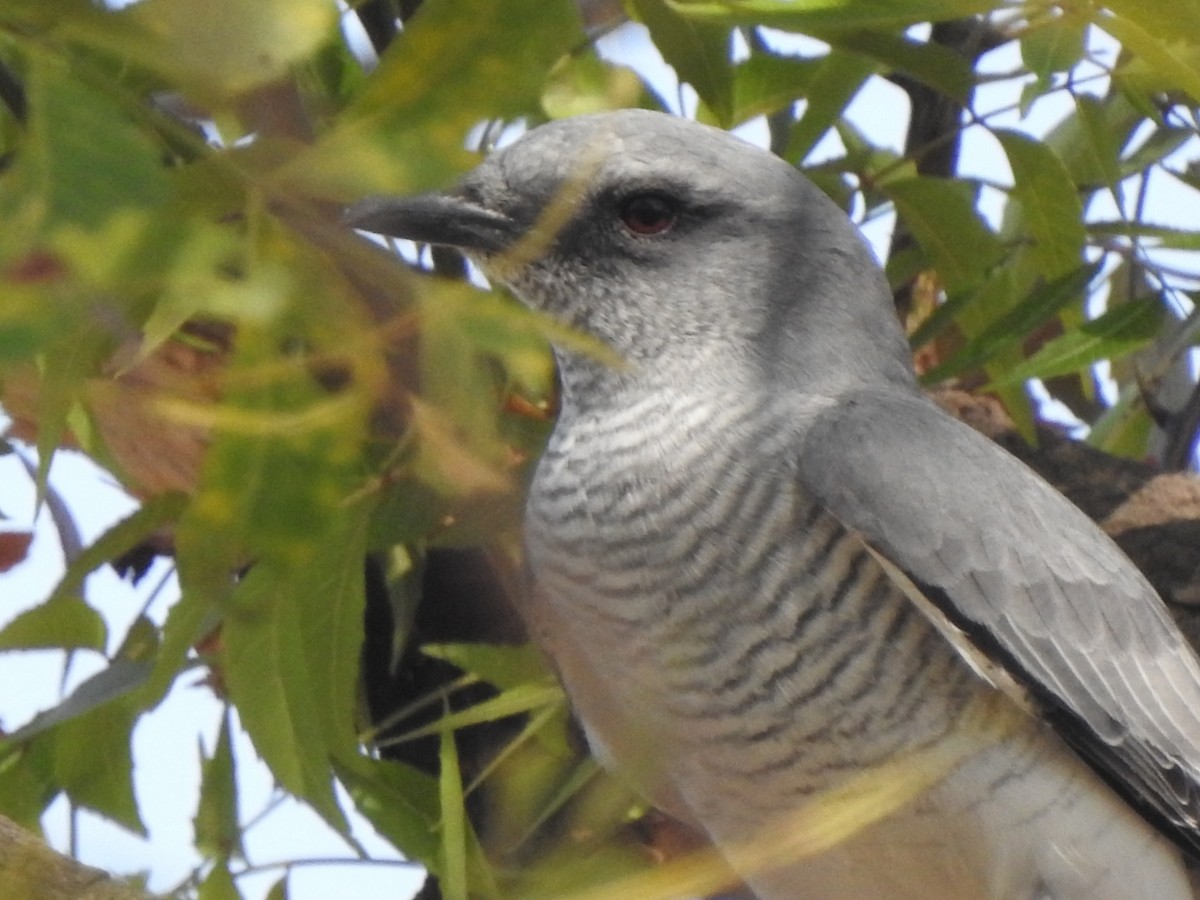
768 569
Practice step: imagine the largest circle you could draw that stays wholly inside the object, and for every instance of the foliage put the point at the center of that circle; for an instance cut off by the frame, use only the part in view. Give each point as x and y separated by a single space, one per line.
180 300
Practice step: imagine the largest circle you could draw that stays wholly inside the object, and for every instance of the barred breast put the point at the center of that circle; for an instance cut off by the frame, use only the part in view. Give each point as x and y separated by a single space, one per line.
727 614
735 651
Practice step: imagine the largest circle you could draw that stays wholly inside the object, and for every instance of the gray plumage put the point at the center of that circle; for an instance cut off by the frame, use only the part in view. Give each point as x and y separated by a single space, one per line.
764 563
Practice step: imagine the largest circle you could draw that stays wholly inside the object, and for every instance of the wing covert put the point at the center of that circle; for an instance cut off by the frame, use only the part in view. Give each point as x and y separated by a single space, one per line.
1029 581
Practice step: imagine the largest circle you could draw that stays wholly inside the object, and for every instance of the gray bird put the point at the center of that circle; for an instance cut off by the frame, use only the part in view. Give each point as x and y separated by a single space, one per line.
766 566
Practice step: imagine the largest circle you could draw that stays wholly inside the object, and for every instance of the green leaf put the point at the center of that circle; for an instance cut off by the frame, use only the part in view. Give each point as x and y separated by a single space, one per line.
217 47
27 782
1119 331
453 875
1010 329
1099 161
500 666
1157 236
400 802
218 884
765 83
84 158
94 764
699 53
263 650
68 624
279 890
1158 43
215 825
1050 205
120 678
943 217
514 701
405 130
936 66
125 535
838 78
1053 44
1162 143
583 84
1124 428
189 620
815 16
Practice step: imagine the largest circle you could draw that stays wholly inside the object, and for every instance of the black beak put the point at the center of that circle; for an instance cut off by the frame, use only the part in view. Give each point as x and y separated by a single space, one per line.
436 218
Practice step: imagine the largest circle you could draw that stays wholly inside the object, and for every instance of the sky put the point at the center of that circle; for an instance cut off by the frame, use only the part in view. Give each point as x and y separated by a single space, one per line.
167 741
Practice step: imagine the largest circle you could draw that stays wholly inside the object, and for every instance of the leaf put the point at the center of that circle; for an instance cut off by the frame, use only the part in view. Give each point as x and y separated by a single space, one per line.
453 875
815 16
14 547
583 84
1099 162
108 685
499 665
1011 327
766 83
215 825
521 699
218 884
68 624
1050 205
279 890
400 802
85 159
262 658
699 53
155 513
406 128
217 47
1164 53
936 66
1053 44
1119 331
838 78
94 764
1158 236
943 217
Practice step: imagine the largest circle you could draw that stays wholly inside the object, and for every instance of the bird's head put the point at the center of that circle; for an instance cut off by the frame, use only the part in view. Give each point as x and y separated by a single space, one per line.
695 255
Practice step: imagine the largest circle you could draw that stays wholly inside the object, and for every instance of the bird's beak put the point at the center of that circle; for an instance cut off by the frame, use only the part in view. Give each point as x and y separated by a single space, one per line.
436 218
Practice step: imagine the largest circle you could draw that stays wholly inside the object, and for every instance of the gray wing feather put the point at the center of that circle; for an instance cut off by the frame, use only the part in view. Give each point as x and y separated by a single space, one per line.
1031 583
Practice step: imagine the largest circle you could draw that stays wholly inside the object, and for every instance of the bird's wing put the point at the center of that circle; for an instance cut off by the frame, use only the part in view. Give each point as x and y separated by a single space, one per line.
1021 580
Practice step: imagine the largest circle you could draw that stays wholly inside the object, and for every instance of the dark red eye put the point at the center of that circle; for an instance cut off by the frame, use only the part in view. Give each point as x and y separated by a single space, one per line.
648 214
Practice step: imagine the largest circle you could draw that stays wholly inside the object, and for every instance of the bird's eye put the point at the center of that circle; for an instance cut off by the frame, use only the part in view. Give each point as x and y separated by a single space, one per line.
648 214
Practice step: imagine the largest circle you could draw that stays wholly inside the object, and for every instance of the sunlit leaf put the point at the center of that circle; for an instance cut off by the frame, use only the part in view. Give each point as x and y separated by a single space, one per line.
816 15
501 666
942 215
1011 327
263 661
399 801
837 79
932 64
406 129
698 51
218 884
125 535
1050 205
1117 332
453 873
765 83
111 684
69 624
1053 45
218 833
